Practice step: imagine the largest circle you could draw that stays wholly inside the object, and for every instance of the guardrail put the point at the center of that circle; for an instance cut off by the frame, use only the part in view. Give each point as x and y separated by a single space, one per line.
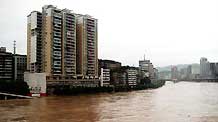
14 95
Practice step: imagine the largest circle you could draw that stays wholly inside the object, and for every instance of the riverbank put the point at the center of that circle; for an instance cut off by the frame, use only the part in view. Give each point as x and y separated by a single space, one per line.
12 88
67 90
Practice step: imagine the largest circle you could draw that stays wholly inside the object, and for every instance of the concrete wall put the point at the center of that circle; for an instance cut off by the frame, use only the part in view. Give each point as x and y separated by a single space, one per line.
36 82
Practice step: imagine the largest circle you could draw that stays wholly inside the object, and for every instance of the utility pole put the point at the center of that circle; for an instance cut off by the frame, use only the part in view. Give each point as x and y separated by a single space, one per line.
14 47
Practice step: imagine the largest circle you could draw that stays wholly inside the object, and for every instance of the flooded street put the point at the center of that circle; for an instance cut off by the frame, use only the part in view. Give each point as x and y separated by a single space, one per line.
179 102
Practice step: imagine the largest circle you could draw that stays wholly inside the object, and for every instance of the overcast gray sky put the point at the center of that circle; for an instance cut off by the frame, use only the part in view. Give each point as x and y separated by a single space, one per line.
166 31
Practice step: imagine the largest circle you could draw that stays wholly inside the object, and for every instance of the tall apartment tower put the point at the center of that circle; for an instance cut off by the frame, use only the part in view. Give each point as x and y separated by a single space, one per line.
61 43
87 46
59 32
34 42
69 43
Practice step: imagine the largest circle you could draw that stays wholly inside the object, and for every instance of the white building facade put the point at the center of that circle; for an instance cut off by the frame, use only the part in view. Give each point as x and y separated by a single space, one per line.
105 77
36 83
132 77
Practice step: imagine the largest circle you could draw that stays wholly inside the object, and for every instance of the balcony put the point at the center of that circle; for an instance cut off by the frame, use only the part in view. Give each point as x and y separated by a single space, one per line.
57 15
57 25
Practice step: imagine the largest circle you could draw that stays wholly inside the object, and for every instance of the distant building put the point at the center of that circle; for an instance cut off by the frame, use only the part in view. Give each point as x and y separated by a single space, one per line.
2 49
204 68
212 73
115 70
164 75
151 71
216 70
189 72
119 78
155 73
195 69
146 69
125 76
207 69
131 77
174 72
183 73
105 77
6 65
144 65
19 66
189 69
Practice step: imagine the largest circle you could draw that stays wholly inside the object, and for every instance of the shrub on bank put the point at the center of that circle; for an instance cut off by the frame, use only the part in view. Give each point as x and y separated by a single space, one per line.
14 87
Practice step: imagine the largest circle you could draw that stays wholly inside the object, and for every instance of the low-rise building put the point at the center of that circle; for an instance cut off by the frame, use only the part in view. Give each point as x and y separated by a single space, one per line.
131 77
118 78
19 66
108 64
6 65
105 77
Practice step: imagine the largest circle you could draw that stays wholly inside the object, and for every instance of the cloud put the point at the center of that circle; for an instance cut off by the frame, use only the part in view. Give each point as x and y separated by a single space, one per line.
166 31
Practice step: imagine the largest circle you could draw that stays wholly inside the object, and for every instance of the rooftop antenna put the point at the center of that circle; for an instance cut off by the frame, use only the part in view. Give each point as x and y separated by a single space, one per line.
14 47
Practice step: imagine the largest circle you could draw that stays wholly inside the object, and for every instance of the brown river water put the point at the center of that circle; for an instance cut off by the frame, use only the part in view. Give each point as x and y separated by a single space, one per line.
179 102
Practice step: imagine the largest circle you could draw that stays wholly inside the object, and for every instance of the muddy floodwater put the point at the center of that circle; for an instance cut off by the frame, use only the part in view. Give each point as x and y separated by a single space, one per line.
174 102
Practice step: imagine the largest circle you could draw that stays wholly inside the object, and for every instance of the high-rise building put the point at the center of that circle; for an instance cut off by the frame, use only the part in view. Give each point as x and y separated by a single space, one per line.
87 46
62 44
34 42
52 40
59 41
69 43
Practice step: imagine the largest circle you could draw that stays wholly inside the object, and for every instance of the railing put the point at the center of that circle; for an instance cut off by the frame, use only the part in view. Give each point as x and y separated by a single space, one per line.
14 95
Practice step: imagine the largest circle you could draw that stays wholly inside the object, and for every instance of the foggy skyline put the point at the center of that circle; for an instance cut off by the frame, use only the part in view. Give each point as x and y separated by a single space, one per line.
168 32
